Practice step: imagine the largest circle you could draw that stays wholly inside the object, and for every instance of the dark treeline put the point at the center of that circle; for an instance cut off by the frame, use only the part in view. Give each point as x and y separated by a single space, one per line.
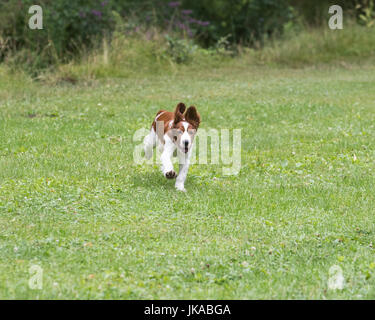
69 26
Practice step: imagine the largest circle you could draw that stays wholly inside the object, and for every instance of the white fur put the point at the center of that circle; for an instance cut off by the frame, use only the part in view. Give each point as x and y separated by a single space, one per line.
149 143
166 155
184 160
166 161
185 136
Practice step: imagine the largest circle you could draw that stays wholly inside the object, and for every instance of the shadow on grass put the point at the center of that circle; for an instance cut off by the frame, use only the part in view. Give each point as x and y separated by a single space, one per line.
154 179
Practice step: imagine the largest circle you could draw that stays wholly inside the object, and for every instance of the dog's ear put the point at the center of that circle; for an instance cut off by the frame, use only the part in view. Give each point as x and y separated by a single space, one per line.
193 116
180 108
179 112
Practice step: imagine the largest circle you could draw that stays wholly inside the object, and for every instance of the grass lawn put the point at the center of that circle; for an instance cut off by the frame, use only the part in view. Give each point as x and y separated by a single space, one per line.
101 227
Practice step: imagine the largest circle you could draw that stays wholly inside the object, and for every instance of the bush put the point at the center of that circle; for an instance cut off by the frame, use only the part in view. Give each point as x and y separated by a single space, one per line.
246 21
314 46
66 27
208 21
219 25
180 50
366 12
69 25
315 12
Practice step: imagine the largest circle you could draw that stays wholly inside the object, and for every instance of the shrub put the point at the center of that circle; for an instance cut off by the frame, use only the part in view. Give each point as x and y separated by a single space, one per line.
246 21
180 50
354 43
366 12
66 27
219 26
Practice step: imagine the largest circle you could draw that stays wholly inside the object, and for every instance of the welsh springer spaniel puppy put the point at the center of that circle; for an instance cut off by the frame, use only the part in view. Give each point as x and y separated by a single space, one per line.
173 130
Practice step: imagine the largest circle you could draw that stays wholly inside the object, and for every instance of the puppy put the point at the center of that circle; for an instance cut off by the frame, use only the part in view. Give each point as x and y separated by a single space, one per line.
174 130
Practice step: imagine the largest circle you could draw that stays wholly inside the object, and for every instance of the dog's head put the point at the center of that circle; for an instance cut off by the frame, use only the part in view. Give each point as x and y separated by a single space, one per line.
184 127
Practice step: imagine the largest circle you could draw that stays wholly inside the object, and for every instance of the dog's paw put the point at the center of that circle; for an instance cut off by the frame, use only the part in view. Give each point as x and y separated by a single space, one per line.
170 175
180 188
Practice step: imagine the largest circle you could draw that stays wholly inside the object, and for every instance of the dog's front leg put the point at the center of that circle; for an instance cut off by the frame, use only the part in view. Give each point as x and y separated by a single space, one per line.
166 161
149 143
184 160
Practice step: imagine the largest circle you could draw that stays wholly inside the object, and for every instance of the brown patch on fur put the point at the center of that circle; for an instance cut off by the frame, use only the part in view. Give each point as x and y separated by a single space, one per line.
166 117
181 107
178 116
179 113
179 126
192 116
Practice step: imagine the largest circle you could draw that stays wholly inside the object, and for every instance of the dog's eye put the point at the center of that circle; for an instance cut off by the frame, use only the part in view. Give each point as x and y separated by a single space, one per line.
176 133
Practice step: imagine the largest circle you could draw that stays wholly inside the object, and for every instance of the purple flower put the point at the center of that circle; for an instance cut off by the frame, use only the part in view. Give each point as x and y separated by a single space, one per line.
104 3
199 22
181 25
203 23
174 4
186 12
96 13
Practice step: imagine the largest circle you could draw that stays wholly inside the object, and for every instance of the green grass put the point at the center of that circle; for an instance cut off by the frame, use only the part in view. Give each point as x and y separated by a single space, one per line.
73 202
132 56
319 45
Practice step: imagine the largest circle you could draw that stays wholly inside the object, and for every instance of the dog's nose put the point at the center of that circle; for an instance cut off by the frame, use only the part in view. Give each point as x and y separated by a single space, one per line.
186 143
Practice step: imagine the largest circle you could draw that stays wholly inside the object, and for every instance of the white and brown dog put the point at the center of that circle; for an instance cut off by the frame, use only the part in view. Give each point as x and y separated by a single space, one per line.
173 130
